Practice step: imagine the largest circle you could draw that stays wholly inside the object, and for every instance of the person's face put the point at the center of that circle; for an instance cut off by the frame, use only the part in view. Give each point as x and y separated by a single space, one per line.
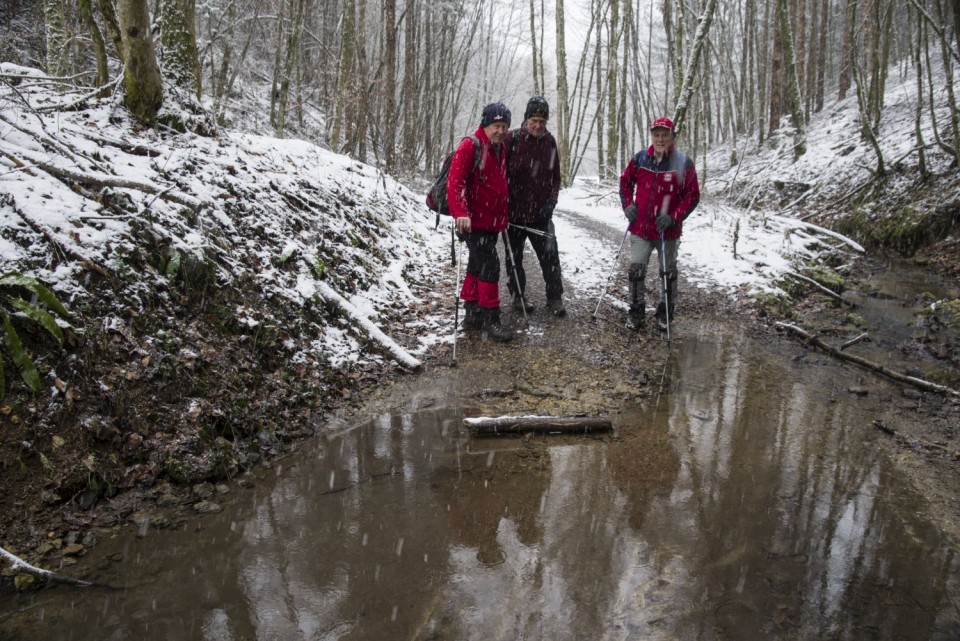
662 139
536 126
496 132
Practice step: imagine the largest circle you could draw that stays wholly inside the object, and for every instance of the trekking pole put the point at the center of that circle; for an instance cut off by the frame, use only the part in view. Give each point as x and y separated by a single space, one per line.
456 306
516 279
531 230
665 285
606 282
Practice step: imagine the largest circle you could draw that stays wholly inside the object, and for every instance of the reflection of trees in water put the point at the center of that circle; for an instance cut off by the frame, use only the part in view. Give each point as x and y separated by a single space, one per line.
795 524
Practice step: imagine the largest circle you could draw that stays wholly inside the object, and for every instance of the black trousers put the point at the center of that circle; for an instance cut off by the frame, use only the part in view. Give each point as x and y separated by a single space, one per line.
548 254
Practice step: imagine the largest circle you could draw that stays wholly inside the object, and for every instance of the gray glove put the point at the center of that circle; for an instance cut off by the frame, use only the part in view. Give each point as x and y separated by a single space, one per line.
630 211
665 222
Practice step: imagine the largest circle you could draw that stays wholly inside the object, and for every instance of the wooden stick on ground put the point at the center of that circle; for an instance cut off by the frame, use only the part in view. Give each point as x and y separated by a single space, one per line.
829 292
19 565
919 383
486 425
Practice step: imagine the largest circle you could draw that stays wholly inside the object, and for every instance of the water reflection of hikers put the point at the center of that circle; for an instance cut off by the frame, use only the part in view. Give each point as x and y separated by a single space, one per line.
533 174
483 498
658 190
478 203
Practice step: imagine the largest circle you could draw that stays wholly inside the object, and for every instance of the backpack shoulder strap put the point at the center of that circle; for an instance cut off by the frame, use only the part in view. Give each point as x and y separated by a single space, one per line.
476 151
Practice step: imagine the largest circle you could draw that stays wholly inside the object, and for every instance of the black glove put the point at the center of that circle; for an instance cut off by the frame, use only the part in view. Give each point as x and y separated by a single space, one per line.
630 211
665 222
546 212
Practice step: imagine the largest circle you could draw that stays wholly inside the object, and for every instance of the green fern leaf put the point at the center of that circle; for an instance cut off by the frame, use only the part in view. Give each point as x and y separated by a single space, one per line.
28 371
40 317
45 295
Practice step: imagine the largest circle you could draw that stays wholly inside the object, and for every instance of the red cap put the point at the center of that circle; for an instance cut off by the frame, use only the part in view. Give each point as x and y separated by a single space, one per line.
662 123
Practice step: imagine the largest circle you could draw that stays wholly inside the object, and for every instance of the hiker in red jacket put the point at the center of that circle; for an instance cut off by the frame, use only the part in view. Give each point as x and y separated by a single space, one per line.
658 190
478 203
533 174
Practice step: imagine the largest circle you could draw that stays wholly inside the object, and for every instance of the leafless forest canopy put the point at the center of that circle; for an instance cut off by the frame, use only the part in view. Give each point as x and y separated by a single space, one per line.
395 82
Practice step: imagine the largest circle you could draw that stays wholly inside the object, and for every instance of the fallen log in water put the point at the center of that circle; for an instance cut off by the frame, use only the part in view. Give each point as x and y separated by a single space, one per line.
919 383
492 425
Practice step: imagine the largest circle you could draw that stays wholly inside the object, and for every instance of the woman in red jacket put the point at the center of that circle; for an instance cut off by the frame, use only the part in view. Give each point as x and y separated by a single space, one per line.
658 190
478 203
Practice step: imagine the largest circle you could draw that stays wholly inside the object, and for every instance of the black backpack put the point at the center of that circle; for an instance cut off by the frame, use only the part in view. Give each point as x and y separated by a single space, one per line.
437 194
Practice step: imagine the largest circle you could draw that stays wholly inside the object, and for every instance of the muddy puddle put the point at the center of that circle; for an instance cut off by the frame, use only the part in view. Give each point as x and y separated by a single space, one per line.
742 502
889 304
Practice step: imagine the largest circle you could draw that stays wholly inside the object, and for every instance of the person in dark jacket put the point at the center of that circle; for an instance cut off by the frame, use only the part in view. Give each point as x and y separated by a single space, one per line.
478 204
533 175
658 191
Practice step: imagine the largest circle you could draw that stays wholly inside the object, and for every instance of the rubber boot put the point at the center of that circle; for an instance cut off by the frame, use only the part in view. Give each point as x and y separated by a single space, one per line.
471 316
638 302
491 326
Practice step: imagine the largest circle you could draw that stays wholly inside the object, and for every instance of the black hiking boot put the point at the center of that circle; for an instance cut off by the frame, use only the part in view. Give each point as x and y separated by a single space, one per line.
471 316
635 320
492 328
520 304
662 317
556 307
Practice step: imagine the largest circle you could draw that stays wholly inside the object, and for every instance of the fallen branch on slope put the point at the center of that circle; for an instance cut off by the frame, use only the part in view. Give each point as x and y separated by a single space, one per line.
374 332
829 292
99 180
926 386
21 566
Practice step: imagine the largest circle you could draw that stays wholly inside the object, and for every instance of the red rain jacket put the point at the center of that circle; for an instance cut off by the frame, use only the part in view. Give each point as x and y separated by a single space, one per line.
652 185
481 195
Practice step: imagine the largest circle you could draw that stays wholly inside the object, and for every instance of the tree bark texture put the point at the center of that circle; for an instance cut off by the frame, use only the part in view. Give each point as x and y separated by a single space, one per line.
143 86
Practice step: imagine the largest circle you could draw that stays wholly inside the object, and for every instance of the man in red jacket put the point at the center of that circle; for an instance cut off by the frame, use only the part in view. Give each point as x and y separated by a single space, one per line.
658 190
533 174
478 203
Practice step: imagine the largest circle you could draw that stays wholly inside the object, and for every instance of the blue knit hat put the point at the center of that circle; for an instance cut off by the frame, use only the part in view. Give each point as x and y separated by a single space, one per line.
495 112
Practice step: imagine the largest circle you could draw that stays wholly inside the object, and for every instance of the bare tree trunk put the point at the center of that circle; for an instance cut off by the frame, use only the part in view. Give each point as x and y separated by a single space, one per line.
409 97
847 49
821 57
686 90
792 80
777 82
57 37
613 92
563 110
292 50
538 82
143 86
108 11
178 40
345 75
918 116
945 52
390 88
96 37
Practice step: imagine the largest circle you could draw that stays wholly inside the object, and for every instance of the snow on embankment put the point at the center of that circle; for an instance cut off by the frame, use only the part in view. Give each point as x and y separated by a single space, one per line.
112 215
